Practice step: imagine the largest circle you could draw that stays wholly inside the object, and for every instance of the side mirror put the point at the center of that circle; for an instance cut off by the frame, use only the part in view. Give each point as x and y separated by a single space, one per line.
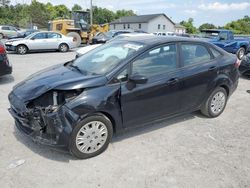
138 79
33 39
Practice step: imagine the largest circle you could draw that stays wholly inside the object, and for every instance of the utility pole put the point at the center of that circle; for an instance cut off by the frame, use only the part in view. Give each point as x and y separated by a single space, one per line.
91 13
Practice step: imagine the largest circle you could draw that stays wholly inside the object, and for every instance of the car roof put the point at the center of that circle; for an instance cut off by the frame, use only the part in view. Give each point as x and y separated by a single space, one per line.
154 40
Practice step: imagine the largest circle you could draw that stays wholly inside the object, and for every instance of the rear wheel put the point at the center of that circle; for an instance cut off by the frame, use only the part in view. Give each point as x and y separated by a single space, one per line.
22 49
215 104
91 136
63 48
76 38
240 53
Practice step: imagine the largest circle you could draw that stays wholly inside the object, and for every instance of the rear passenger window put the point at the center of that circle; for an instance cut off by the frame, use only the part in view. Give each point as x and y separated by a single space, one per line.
157 61
5 28
194 53
216 53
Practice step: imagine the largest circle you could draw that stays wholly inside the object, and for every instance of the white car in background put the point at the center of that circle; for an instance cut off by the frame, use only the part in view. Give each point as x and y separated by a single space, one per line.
84 50
41 41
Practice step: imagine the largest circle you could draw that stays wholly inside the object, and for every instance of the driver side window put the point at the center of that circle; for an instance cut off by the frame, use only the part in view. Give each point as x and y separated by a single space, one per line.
156 61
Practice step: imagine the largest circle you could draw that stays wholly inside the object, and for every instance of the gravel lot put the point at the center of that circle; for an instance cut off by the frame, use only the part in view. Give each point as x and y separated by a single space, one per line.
188 151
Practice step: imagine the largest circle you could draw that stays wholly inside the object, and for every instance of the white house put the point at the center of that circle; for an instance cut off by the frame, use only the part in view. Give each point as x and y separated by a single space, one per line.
149 23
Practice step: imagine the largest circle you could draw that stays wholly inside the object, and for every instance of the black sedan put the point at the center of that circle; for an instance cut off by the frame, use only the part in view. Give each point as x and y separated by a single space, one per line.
245 66
80 104
5 66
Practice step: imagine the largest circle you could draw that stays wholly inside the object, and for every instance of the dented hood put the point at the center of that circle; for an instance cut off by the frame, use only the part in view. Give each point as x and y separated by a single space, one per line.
58 77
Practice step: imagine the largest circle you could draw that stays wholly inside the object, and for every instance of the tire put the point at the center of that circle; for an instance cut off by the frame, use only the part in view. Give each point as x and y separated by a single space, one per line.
86 142
1 36
76 38
240 53
22 49
209 107
63 48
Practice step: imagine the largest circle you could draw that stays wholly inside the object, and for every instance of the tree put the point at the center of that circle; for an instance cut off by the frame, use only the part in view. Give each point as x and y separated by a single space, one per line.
189 26
207 26
122 13
4 2
102 15
240 26
76 7
38 14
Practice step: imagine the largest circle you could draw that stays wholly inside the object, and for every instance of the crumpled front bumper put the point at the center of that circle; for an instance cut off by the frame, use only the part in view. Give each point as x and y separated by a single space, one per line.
55 129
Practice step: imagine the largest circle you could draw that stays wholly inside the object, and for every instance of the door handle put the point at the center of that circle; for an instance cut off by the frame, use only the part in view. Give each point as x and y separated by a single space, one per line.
212 68
172 81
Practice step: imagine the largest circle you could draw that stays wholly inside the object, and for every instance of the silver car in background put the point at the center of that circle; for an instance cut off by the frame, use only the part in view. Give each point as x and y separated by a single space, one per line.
41 41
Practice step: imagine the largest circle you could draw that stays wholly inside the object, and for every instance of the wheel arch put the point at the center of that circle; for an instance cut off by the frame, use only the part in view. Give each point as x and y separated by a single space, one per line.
22 44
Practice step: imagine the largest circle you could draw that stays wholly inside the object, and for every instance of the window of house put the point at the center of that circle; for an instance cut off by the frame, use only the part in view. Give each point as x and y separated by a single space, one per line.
157 61
128 26
114 26
124 26
164 27
159 26
194 53
139 26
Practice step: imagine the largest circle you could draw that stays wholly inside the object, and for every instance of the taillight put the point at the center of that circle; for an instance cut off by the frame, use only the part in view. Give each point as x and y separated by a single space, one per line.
2 49
237 63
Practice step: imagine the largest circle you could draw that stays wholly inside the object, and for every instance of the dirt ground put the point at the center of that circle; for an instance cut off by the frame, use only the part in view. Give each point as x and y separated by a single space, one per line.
187 151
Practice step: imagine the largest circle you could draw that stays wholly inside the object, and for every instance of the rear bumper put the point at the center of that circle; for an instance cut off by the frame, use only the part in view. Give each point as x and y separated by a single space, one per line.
5 70
245 68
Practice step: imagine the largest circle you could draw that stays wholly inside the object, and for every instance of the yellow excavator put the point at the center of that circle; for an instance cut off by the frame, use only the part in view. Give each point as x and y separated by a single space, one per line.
77 27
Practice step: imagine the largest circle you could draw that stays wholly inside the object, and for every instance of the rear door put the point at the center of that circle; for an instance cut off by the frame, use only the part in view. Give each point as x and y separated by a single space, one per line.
53 40
199 69
159 96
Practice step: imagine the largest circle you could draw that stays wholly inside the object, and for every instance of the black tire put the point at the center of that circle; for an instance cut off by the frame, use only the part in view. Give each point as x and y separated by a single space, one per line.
206 108
21 49
73 145
240 53
76 38
63 48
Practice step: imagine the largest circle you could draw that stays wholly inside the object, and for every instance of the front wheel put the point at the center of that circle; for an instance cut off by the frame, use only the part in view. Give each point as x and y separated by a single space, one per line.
91 136
22 49
215 104
240 53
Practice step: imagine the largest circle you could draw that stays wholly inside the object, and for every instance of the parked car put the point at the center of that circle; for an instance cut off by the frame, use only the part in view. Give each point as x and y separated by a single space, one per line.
245 66
8 31
80 104
87 48
41 41
101 38
225 40
5 66
24 34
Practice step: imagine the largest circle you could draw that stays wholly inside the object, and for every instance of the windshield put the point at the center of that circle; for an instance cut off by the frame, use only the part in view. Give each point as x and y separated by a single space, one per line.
103 59
31 35
209 34
110 33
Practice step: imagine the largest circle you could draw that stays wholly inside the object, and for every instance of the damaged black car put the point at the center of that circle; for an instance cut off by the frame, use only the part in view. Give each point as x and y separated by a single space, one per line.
79 105
245 66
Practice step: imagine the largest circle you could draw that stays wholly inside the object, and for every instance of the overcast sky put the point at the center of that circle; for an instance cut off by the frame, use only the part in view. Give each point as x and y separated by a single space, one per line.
217 12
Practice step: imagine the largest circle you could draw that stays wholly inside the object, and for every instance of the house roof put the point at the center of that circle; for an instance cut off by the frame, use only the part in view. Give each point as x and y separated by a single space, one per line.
138 19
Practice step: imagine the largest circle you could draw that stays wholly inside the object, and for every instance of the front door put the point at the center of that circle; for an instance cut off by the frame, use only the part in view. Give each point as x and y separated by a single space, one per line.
38 42
159 96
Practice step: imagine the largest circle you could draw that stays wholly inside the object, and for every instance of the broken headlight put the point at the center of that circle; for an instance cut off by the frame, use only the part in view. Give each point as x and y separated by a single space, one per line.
52 100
